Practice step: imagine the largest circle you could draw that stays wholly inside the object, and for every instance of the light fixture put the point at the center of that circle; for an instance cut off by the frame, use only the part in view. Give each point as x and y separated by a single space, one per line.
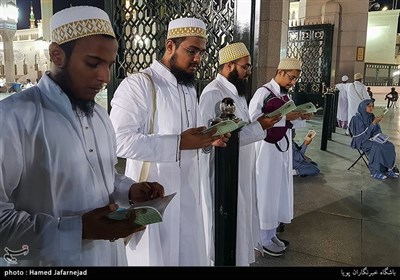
11 12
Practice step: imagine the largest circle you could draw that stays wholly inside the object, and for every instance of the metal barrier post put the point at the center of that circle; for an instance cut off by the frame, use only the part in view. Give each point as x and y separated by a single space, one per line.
226 192
327 119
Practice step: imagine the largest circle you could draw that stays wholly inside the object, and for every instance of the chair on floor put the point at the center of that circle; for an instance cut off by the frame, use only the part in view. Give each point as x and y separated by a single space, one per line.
393 103
362 156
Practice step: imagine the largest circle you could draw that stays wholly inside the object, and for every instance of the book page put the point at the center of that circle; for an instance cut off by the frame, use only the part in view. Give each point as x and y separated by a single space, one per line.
147 212
306 108
223 127
283 110
380 138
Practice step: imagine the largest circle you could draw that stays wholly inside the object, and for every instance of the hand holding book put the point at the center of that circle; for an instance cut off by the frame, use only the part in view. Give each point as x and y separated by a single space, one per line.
147 212
224 127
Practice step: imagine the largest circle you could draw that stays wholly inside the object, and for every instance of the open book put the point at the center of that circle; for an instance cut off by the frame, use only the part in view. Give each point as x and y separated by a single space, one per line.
380 138
225 127
306 108
283 110
147 212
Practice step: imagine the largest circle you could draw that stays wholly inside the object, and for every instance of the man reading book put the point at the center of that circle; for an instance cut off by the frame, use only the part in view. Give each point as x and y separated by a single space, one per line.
232 81
274 178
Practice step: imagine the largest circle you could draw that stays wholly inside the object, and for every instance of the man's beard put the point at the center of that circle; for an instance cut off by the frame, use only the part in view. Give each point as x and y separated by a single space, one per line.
183 78
284 90
82 107
241 85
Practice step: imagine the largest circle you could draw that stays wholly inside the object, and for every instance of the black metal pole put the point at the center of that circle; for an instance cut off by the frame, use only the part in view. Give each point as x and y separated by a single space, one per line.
226 190
335 108
328 99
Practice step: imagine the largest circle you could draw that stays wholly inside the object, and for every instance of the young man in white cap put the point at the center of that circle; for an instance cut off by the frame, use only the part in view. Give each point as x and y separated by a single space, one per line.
341 115
274 162
171 147
57 175
356 92
232 81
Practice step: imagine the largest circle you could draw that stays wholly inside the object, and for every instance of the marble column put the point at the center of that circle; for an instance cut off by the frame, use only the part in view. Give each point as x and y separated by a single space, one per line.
47 12
272 18
8 36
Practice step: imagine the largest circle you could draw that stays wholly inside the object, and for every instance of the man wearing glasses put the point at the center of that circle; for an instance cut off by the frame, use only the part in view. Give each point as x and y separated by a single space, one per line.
156 119
232 81
274 180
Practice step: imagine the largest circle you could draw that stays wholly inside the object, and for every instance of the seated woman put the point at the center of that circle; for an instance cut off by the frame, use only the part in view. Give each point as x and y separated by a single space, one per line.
303 166
382 157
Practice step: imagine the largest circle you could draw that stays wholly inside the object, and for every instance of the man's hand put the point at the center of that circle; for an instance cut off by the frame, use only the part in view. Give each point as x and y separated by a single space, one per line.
307 116
96 225
144 191
293 116
192 138
221 142
267 122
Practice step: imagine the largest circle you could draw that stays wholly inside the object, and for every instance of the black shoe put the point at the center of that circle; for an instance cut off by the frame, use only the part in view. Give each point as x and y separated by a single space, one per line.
280 228
395 170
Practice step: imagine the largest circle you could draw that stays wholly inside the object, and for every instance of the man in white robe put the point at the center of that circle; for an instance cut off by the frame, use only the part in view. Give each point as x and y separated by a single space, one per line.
274 166
171 149
356 92
57 168
231 81
342 112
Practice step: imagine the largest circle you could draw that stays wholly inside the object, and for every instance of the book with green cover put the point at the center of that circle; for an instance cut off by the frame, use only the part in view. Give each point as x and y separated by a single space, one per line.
283 110
224 127
306 108
147 212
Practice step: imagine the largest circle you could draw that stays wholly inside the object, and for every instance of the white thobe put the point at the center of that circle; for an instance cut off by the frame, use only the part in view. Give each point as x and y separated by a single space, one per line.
178 240
247 237
55 166
356 92
342 110
274 179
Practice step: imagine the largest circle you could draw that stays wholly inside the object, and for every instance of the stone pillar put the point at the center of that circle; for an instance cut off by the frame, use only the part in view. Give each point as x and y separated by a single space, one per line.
8 36
47 12
272 18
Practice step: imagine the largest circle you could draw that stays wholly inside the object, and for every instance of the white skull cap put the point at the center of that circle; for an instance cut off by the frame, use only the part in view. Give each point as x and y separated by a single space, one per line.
187 27
78 22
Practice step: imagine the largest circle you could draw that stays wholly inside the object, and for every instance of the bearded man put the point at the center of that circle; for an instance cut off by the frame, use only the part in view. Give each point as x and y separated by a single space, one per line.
232 81
157 120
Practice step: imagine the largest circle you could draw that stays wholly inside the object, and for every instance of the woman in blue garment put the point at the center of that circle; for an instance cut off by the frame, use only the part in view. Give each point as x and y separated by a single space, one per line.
303 166
382 157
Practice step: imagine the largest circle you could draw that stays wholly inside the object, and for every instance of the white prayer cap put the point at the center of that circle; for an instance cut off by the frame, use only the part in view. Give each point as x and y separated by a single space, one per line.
186 27
78 22
358 76
289 64
345 78
232 52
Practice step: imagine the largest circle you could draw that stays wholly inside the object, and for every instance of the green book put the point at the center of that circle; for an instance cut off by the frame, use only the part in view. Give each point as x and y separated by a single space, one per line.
147 212
225 127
